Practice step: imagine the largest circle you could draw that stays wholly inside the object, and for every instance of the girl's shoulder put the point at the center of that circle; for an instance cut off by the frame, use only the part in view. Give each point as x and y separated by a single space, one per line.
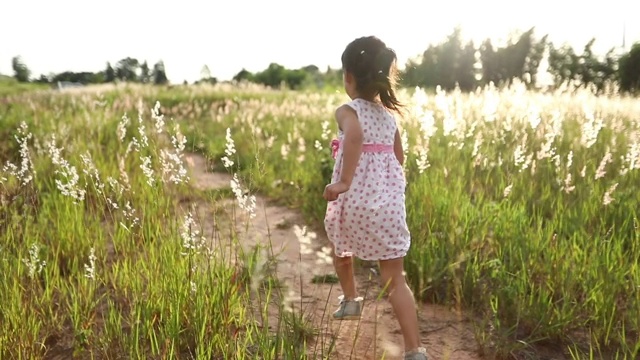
349 107
353 104
360 105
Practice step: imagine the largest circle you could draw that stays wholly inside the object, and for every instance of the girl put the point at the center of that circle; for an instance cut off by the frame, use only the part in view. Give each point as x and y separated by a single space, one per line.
366 211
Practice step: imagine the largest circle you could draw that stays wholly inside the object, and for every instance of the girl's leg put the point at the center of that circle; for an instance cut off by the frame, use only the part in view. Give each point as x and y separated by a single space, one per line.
344 270
401 299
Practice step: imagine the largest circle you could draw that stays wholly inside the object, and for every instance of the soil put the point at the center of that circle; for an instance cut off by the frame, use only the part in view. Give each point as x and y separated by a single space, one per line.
446 333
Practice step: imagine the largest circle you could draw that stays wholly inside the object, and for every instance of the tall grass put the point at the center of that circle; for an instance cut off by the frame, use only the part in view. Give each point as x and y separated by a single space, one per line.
523 206
98 259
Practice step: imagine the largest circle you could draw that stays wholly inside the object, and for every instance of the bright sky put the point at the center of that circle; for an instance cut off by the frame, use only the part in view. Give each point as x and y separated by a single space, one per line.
76 35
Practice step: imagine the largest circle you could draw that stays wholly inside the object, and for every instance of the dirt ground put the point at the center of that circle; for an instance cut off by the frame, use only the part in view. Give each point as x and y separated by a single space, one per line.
446 334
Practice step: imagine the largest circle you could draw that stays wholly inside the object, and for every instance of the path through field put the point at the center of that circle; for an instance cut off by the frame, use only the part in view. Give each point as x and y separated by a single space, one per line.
446 334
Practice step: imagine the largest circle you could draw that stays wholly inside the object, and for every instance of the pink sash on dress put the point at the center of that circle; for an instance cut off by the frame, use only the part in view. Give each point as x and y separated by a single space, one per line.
368 148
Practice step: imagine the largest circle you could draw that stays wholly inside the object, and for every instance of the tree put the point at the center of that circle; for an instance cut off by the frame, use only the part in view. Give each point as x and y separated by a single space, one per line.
313 77
593 71
42 79
205 73
466 71
145 73
311 69
205 76
607 69
629 70
532 62
517 54
273 76
295 78
159 75
563 63
422 71
587 69
519 57
447 64
587 64
243 75
109 73
20 70
127 69
81 77
488 58
276 75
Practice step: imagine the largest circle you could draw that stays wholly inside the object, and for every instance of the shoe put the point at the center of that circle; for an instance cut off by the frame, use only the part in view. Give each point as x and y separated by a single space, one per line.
349 309
417 354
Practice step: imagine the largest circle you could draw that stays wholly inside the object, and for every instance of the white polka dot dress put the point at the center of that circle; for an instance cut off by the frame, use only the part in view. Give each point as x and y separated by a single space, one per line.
369 220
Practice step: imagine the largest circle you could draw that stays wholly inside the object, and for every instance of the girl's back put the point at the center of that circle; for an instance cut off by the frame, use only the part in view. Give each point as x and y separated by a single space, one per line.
378 125
368 221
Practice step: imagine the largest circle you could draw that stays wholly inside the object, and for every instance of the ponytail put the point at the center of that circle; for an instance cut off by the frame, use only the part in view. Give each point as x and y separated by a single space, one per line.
385 79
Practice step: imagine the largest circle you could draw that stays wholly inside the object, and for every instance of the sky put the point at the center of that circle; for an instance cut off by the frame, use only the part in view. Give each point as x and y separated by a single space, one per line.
75 35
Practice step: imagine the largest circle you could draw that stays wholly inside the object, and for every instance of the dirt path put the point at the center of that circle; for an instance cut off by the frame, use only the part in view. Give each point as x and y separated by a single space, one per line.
446 334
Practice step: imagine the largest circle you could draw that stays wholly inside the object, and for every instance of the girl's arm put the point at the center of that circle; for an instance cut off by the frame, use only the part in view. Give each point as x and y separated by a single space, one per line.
397 148
347 119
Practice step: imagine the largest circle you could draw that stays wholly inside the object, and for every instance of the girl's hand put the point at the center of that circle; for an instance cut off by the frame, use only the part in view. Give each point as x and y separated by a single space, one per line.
332 191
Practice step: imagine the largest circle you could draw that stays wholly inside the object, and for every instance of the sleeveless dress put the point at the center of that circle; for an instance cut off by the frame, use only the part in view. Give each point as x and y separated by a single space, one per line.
369 220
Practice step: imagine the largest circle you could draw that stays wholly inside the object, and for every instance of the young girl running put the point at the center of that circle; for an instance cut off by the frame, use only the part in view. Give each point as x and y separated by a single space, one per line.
366 212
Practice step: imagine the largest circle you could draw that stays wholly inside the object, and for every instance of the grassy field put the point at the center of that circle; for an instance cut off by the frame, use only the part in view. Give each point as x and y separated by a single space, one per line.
10 86
97 258
522 207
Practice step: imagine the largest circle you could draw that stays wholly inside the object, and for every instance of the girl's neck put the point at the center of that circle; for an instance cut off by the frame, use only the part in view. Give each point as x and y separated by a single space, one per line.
373 99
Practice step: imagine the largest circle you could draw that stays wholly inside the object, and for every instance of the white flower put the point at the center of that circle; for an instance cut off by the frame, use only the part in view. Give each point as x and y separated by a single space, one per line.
67 172
159 118
191 241
601 172
246 202
607 199
147 170
229 151
122 128
90 269
507 190
34 264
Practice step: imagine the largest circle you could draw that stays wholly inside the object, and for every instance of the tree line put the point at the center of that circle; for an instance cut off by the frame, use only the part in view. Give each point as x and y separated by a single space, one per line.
450 64
127 70
453 63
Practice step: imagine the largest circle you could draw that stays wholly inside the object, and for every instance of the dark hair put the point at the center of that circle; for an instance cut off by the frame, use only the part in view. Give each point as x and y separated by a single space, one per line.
372 64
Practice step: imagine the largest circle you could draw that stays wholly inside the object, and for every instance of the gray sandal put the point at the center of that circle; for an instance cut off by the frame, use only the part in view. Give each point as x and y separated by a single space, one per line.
349 309
417 354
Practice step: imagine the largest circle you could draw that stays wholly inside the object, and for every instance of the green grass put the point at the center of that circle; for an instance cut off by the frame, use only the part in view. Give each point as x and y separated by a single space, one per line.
547 263
95 258
10 86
